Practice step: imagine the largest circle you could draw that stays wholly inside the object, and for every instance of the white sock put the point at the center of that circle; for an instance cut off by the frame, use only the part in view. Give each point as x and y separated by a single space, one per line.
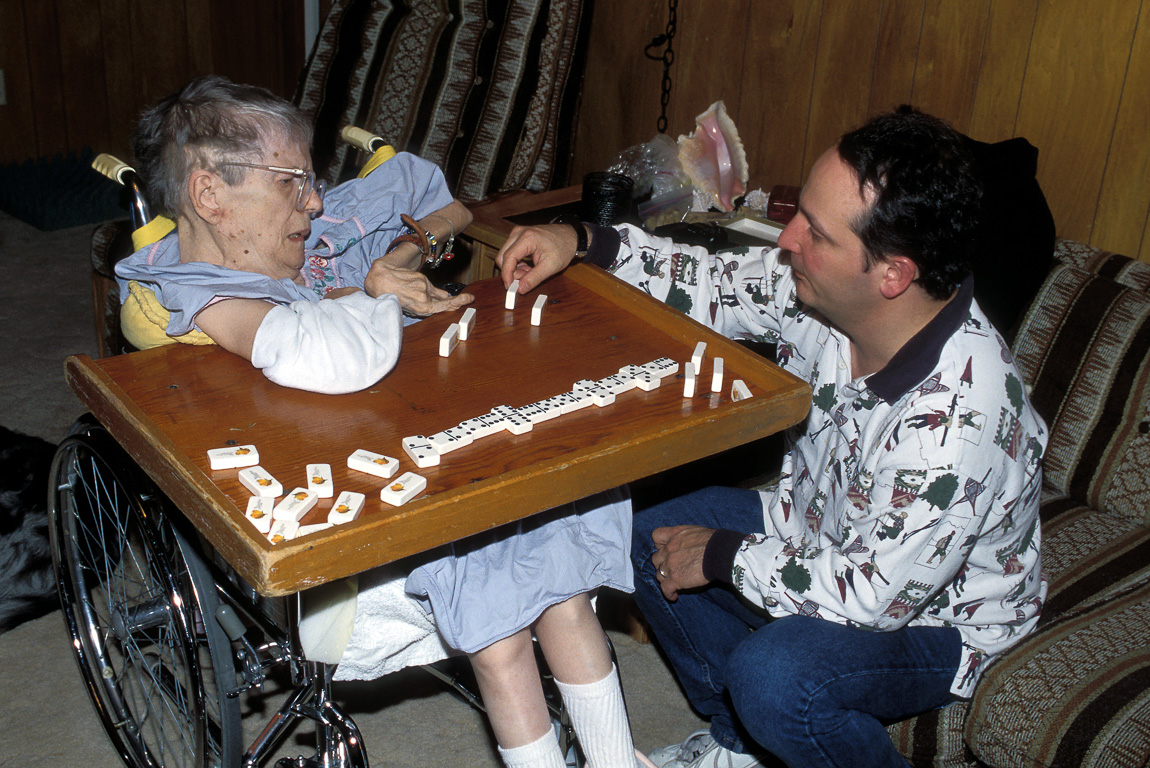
600 721
541 753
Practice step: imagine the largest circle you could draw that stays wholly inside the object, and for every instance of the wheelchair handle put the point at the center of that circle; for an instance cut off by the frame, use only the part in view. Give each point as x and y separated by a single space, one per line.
113 167
361 139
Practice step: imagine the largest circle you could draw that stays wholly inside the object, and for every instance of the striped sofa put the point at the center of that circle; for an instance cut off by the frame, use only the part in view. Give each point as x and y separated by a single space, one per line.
1077 691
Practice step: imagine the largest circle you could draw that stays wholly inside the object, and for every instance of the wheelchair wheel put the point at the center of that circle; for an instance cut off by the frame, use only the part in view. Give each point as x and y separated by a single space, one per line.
140 604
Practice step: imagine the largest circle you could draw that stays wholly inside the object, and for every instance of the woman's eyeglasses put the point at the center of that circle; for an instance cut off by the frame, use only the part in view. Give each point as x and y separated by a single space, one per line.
307 181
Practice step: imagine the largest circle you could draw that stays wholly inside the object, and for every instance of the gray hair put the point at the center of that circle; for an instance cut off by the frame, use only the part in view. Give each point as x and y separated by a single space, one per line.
206 123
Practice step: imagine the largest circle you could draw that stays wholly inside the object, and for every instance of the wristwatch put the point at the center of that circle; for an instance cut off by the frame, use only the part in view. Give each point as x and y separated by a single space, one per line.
580 237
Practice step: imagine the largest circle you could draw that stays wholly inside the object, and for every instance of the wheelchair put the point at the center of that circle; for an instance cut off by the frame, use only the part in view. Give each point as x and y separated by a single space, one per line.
167 636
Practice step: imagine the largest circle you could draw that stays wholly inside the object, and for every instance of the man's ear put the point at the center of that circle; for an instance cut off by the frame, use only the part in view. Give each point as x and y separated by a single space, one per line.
898 273
204 189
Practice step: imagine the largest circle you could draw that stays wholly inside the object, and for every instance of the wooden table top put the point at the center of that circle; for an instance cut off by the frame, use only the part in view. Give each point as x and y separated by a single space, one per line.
168 406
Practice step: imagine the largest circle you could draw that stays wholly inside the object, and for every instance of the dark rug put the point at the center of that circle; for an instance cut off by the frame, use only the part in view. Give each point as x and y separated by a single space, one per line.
60 192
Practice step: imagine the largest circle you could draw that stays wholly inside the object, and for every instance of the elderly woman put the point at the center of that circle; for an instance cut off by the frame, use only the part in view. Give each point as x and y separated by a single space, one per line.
311 288
254 251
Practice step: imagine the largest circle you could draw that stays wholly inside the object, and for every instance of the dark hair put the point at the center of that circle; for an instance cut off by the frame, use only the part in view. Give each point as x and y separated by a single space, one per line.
926 194
205 123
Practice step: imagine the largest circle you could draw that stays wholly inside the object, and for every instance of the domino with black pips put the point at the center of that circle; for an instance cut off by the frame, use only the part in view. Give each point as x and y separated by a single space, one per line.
575 400
372 463
451 439
403 489
420 450
511 295
513 421
346 507
257 480
319 480
662 367
233 457
688 379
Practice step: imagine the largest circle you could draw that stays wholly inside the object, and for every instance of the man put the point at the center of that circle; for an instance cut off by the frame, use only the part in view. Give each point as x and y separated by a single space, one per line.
899 553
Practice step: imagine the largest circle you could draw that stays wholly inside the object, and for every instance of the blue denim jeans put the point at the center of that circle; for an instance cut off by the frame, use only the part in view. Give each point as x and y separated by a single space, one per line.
808 691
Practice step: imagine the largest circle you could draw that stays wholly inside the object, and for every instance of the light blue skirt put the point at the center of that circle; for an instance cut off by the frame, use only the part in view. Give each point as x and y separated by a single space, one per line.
491 585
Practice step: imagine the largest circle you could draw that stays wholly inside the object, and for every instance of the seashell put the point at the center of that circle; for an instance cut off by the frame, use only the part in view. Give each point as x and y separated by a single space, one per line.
713 157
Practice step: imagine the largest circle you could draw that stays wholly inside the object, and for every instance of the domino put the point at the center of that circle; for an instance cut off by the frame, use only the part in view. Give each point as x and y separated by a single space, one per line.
319 480
739 391
346 508
259 513
449 340
662 367
512 293
450 440
575 400
295 505
260 483
283 530
717 375
481 426
373 463
600 396
512 420
233 457
688 380
697 356
420 450
304 530
533 412
617 383
403 489
466 323
545 410
492 423
537 309
648 381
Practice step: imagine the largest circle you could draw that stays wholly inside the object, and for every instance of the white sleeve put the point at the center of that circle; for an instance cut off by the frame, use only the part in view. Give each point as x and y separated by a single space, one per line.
331 346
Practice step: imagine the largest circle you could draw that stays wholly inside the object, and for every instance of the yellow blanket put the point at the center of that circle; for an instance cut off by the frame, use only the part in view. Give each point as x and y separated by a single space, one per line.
143 319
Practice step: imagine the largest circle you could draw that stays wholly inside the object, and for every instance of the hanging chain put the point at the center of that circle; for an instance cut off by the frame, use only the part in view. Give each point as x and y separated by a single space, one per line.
668 58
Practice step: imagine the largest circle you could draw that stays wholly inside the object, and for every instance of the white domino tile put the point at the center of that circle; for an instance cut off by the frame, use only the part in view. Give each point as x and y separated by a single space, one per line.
688 379
512 293
259 513
283 530
698 355
663 367
420 450
537 309
295 505
739 390
373 463
466 323
717 375
403 489
319 480
449 340
450 440
233 457
648 381
346 507
260 483
512 420
304 530
576 400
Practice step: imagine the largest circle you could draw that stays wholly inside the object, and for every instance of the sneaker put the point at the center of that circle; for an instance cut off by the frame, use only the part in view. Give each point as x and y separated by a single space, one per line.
700 750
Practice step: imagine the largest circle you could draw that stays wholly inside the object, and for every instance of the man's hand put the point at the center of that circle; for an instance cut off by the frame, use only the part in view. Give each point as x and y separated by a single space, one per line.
415 292
533 254
678 558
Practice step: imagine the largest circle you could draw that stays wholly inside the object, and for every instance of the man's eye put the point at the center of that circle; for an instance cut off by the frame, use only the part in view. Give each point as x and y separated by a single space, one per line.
814 235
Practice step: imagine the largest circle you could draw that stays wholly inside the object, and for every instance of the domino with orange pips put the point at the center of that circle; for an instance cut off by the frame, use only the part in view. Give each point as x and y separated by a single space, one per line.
233 457
372 463
260 483
346 507
295 505
319 480
403 489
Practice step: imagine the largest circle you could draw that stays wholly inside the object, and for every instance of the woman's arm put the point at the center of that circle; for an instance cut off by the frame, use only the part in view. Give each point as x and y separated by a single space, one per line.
444 225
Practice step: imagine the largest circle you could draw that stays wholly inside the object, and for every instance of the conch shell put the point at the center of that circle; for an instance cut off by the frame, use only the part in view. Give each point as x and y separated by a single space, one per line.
713 157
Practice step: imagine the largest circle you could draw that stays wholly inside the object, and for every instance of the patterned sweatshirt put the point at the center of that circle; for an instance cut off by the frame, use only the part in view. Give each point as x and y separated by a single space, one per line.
907 497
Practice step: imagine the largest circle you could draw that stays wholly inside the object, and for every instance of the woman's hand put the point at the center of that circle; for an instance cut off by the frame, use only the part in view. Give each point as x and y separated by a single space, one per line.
415 292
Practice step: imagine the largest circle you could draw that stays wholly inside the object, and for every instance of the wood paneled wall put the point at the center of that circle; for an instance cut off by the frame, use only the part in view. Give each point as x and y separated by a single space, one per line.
1072 76
78 72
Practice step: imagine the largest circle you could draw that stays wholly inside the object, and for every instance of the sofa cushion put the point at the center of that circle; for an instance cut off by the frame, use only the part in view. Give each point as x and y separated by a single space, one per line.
1084 346
1076 693
1121 269
486 91
935 739
1089 556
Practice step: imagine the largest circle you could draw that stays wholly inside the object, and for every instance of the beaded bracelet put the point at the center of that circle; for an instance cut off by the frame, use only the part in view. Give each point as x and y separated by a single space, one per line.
444 254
